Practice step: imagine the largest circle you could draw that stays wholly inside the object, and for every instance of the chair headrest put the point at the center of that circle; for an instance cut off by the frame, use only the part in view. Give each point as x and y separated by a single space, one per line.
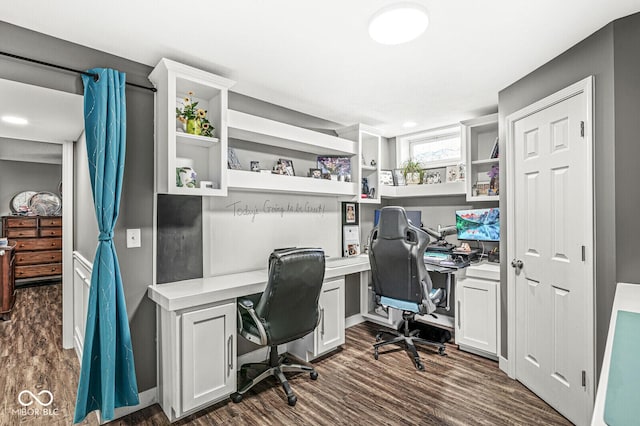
393 223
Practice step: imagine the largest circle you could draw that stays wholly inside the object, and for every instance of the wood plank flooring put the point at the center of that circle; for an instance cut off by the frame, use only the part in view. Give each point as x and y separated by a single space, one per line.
353 388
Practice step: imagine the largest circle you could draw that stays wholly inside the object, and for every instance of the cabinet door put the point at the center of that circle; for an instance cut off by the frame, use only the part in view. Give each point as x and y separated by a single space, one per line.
330 332
208 355
476 314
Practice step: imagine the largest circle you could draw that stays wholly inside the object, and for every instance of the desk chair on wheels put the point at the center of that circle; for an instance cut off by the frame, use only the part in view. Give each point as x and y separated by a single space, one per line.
400 278
287 310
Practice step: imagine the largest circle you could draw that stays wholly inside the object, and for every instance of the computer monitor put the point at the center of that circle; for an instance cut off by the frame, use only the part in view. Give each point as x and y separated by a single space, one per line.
478 224
415 216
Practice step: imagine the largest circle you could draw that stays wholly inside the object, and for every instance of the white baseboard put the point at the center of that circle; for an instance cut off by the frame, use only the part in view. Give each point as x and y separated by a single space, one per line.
147 398
353 320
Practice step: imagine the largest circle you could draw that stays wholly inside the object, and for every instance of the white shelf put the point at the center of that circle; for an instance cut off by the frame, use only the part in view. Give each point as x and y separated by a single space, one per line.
252 181
441 189
273 133
196 140
198 191
486 161
370 200
484 198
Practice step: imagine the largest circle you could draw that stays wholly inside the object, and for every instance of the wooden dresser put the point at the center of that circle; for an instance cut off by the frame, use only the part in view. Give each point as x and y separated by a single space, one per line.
38 246
7 288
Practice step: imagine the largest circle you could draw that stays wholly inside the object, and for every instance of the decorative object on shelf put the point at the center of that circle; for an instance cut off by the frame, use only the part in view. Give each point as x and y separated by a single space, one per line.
349 213
255 166
462 172
482 188
340 166
315 173
284 167
365 186
495 150
45 203
207 184
412 171
386 177
232 159
373 163
372 193
494 183
20 202
194 117
186 177
431 177
398 177
452 174
326 176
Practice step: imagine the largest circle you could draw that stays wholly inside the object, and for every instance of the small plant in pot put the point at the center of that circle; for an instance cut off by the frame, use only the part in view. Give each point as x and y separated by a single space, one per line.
412 171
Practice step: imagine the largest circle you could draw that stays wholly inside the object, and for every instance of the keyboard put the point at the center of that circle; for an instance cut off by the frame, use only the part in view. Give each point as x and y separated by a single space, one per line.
444 259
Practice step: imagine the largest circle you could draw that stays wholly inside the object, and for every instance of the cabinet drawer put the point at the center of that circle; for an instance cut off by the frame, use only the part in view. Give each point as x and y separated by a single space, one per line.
39 244
35 257
50 232
38 270
50 221
21 232
22 222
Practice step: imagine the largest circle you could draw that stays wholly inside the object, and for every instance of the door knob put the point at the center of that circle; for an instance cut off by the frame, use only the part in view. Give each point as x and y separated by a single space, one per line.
517 263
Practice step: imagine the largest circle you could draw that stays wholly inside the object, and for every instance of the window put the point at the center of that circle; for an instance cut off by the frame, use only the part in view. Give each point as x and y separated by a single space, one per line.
439 147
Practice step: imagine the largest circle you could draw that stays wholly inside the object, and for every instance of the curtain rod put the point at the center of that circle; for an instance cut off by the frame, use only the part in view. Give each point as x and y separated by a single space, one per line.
60 67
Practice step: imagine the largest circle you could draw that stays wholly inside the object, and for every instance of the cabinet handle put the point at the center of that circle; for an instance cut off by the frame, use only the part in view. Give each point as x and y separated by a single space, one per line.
459 314
230 353
322 325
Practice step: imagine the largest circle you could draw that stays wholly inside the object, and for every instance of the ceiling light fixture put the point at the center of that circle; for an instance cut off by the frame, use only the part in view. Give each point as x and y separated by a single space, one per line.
398 23
15 120
409 124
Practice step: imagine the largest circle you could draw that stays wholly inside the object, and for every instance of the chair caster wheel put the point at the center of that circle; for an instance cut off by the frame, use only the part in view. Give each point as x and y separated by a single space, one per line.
420 366
292 400
313 375
441 351
375 354
378 337
236 397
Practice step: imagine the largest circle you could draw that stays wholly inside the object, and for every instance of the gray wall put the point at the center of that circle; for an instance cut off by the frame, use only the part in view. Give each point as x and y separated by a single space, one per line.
17 176
136 209
593 56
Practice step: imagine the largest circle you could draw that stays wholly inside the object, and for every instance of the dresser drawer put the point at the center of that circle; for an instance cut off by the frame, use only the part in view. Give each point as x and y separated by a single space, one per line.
50 221
21 232
22 222
38 244
50 232
36 257
38 270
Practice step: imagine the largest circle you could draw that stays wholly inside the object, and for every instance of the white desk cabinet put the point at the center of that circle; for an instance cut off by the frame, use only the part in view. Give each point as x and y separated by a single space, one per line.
477 309
199 362
329 334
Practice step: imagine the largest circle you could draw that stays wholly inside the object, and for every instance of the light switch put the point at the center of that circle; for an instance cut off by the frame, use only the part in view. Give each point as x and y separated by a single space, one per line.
133 238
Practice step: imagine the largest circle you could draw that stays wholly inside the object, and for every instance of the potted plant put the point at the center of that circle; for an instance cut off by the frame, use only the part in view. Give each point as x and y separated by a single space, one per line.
412 171
194 118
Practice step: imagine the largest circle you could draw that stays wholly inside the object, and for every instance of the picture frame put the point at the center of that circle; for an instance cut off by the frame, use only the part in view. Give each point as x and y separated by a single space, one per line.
451 174
350 213
285 167
386 177
431 177
255 166
315 173
398 177
335 165
232 159
482 188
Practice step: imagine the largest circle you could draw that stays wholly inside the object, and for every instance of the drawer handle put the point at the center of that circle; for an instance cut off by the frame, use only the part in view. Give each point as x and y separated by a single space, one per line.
21 245
53 269
53 244
230 353
322 329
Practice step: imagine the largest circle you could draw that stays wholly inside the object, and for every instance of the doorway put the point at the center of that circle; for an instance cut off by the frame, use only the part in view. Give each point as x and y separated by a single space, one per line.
550 228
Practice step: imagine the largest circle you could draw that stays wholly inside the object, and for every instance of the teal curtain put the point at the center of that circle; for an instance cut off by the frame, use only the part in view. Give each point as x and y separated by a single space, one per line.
107 378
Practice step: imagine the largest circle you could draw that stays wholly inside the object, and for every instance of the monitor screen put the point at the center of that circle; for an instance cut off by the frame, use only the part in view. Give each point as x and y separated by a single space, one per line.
478 224
414 216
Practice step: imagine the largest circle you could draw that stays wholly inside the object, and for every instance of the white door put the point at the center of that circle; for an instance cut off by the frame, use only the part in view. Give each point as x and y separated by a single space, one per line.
476 317
330 331
553 228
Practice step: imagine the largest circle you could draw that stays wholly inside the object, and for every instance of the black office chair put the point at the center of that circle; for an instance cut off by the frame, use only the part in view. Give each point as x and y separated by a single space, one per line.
287 310
400 278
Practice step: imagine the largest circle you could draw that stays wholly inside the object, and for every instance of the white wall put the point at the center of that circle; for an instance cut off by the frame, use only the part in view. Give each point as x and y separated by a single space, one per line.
241 230
16 176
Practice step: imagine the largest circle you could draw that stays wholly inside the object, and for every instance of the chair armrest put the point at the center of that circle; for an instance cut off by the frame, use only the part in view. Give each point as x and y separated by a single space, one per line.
246 305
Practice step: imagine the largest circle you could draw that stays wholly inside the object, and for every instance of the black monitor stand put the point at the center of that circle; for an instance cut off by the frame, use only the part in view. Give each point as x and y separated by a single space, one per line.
440 245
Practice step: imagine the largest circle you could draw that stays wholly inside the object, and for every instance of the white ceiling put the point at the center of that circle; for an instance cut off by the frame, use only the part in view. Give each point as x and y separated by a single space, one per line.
54 117
316 56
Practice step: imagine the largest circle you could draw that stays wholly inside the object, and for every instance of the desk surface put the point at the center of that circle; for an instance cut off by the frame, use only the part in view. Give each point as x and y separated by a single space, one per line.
185 294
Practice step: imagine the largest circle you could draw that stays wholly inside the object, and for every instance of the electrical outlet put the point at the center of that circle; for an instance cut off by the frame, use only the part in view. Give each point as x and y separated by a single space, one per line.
133 238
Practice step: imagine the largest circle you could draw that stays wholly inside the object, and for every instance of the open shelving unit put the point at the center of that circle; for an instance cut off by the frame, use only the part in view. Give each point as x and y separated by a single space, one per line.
424 190
480 135
367 141
174 148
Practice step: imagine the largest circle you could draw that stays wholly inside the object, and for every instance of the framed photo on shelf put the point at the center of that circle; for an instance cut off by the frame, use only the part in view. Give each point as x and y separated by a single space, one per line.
232 159
285 167
431 177
386 177
482 188
339 166
349 213
452 174
398 177
315 173
255 166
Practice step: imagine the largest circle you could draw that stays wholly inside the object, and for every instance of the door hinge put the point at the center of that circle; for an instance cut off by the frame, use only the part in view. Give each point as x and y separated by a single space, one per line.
584 253
584 378
582 129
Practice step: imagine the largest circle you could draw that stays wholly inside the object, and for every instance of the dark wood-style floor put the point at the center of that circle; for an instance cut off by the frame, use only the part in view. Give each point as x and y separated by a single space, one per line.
353 388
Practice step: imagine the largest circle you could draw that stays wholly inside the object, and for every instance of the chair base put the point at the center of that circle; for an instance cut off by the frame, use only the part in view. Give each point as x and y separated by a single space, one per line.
276 366
409 339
